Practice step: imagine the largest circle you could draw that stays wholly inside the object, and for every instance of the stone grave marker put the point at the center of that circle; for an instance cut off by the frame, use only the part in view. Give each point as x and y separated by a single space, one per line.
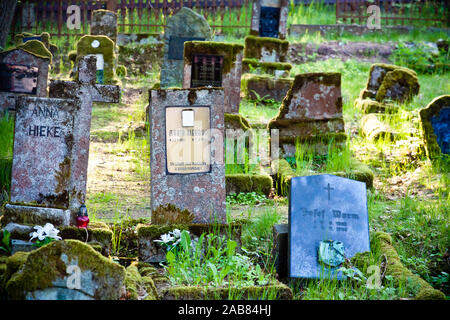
40 175
187 159
311 113
88 92
435 120
327 215
214 64
104 22
23 70
184 26
269 18
102 48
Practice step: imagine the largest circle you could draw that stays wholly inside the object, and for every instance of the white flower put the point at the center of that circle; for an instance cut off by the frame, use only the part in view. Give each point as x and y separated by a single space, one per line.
165 238
43 232
176 233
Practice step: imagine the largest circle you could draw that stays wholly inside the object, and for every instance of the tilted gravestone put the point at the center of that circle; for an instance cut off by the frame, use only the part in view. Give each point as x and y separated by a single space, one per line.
311 113
23 70
435 120
42 159
184 26
328 222
187 158
88 92
214 64
269 18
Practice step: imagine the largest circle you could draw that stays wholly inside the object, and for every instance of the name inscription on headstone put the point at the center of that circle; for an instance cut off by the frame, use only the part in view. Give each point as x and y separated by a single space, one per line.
42 151
188 137
323 208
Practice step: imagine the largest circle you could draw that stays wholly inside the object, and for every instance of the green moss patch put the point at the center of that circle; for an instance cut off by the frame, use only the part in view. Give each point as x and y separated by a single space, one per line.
370 106
236 183
36 48
253 47
236 121
139 287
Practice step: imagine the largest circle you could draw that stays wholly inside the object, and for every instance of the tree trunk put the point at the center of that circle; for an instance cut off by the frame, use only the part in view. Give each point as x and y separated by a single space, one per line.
7 8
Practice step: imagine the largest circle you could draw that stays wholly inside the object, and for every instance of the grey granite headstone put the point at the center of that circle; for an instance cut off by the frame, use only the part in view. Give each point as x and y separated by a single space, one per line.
321 208
184 26
187 160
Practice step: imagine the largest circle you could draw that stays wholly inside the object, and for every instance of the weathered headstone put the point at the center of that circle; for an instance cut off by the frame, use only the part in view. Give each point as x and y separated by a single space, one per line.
311 113
66 270
214 64
435 120
104 22
328 220
102 48
23 70
40 176
184 26
187 159
390 82
269 18
88 92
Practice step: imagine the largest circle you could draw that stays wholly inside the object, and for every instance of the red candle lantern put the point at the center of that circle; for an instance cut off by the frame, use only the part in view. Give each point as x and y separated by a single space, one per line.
82 218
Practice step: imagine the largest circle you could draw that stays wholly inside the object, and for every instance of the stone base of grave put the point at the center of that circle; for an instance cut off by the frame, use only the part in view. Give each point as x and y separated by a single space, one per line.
373 126
98 235
280 249
21 214
266 49
284 174
371 106
318 144
262 87
236 183
277 69
151 252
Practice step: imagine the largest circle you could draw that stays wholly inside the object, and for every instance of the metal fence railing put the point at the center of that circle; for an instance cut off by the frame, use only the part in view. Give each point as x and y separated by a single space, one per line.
395 12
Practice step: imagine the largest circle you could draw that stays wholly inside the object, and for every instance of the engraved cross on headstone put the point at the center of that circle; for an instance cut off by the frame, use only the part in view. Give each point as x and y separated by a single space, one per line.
328 188
88 92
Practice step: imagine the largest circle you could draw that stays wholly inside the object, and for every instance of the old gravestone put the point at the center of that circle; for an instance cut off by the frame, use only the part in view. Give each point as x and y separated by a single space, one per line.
214 64
42 158
435 119
23 70
88 92
184 26
269 18
104 22
102 48
311 113
187 159
328 220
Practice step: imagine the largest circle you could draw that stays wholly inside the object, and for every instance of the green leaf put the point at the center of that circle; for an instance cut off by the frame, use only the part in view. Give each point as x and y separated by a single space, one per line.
170 257
231 247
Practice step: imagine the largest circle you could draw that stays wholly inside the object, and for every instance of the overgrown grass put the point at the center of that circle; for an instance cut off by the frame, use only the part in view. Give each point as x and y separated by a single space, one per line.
6 151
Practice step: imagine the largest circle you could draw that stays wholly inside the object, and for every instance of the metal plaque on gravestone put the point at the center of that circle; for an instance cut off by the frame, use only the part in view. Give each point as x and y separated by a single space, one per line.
329 213
206 71
441 128
188 136
269 21
18 78
43 142
176 46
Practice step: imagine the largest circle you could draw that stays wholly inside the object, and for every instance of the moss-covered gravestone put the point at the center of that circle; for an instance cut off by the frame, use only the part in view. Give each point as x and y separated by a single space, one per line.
64 270
269 18
184 26
389 83
266 68
102 48
104 22
23 70
311 113
44 37
435 120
